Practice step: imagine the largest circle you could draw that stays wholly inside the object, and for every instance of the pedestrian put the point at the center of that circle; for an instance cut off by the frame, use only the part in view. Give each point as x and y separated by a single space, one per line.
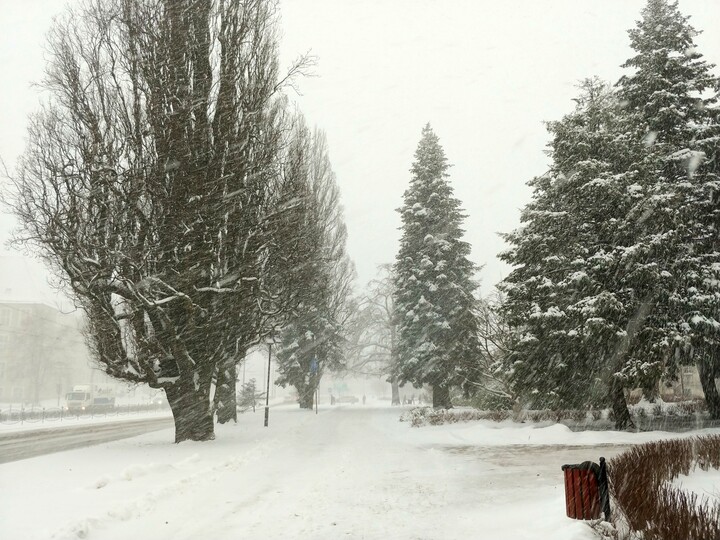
363 399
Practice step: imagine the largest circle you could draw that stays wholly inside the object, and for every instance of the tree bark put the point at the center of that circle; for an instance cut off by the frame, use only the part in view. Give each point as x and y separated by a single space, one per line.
226 393
395 391
706 370
441 397
191 412
306 397
619 405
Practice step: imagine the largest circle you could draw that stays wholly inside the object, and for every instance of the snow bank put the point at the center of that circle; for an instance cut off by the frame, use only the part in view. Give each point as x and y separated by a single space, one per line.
704 484
349 472
489 433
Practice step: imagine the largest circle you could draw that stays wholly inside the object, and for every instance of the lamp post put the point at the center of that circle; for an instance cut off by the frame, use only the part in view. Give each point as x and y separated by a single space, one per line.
313 374
267 391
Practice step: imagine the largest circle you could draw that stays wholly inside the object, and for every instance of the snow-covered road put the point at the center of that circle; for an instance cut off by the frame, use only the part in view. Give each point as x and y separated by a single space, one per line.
348 472
24 444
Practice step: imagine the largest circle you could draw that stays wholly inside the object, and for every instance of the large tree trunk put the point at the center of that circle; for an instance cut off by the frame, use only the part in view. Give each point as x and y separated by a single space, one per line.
707 380
441 397
306 397
395 391
226 393
306 394
191 412
619 405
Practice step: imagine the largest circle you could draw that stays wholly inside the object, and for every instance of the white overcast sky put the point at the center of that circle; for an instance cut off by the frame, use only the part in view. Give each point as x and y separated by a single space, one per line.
484 73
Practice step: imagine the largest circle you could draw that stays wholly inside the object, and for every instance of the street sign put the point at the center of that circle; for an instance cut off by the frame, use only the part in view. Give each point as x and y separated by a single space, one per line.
313 365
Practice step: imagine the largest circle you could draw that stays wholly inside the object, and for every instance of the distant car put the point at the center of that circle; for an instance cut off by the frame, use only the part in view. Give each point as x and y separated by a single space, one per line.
347 399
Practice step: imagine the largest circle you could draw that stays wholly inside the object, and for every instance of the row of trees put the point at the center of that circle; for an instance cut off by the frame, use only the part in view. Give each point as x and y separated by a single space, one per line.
192 216
617 266
616 279
189 212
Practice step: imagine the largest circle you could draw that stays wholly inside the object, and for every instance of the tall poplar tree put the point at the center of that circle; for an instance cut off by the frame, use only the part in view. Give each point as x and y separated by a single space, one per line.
435 308
147 185
313 336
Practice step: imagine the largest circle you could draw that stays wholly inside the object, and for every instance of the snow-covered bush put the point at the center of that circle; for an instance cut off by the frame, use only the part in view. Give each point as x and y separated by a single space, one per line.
645 408
651 507
427 416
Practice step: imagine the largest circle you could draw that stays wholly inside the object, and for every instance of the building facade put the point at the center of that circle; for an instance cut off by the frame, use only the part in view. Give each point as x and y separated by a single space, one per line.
43 352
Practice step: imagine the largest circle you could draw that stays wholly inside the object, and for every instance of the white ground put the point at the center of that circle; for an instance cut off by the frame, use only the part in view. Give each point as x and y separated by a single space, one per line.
349 472
705 484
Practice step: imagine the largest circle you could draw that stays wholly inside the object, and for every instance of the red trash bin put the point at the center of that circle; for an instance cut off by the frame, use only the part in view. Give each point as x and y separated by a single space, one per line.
586 493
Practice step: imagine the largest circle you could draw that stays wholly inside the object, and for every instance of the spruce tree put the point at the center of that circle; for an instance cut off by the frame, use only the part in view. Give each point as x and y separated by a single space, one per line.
671 94
617 264
564 298
435 308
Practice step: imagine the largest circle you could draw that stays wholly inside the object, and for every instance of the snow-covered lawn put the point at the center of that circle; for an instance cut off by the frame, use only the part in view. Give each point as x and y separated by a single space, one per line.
347 472
705 484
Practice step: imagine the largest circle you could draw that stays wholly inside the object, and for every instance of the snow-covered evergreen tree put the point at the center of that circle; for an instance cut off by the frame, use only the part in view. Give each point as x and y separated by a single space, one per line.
564 298
672 94
616 275
435 308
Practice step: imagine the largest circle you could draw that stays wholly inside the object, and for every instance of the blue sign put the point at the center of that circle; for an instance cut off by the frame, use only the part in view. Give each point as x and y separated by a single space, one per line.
313 365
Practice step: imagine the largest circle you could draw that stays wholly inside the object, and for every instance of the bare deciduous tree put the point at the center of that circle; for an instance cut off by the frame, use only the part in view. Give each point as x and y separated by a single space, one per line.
148 183
372 345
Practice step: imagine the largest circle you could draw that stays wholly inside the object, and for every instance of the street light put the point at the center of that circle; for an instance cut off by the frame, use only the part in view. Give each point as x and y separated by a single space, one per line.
313 372
267 391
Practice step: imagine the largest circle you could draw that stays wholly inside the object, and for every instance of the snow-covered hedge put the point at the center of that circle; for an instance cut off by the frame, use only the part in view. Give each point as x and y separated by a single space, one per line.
658 415
653 508
424 416
645 408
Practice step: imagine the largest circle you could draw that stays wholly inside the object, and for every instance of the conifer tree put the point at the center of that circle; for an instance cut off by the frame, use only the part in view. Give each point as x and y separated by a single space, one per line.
435 308
671 94
564 298
617 263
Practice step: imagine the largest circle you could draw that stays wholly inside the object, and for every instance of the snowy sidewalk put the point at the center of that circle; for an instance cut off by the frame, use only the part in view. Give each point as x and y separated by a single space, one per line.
348 472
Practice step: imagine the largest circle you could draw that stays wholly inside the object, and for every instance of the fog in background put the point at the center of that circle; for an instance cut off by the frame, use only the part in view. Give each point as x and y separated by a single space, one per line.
486 74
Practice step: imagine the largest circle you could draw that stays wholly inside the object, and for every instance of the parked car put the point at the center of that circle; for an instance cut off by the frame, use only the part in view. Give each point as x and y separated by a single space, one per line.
347 399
